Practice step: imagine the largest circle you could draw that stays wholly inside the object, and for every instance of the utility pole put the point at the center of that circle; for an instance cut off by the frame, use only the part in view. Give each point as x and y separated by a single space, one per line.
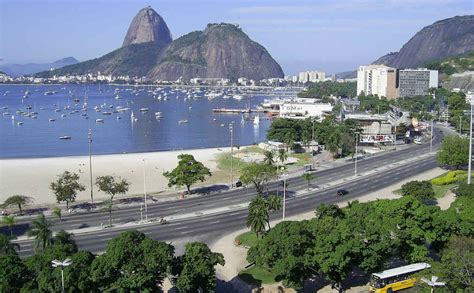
231 129
144 191
460 124
89 136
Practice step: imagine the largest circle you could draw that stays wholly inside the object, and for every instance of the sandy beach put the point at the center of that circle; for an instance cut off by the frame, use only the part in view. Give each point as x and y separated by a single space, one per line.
32 176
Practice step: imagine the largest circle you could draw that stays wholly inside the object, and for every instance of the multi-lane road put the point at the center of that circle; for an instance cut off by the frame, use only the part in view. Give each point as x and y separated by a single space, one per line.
229 207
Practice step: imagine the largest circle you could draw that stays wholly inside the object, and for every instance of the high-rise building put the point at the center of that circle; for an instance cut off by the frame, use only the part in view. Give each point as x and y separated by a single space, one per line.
377 80
416 82
311 76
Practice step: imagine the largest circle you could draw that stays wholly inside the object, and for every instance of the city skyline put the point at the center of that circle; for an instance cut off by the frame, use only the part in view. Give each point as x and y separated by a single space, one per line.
331 36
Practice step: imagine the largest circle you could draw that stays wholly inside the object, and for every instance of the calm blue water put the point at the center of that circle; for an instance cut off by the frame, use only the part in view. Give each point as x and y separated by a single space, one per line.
40 138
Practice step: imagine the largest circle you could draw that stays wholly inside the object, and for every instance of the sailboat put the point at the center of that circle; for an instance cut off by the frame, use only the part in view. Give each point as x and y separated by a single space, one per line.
256 120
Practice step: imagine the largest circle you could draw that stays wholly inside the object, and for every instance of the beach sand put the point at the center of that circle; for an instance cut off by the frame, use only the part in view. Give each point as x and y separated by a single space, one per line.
32 176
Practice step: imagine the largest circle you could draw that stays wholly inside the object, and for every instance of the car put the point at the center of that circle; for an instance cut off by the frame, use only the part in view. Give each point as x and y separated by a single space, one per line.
341 192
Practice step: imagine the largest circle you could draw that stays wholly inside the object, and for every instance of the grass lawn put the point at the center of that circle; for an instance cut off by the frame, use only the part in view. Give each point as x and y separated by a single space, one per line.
257 276
303 159
441 190
247 239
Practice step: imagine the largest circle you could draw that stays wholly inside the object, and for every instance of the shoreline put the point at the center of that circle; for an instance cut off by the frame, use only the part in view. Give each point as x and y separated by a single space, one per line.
123 153
32 176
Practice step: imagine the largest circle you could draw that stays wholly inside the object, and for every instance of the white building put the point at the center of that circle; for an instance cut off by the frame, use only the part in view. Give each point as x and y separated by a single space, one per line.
304 109
416 82
311 76
377 80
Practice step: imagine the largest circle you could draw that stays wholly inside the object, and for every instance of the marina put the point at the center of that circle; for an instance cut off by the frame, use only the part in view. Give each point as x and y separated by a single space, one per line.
128 119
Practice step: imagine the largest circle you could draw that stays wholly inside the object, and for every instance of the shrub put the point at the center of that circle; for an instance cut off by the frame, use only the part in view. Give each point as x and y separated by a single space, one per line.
450 178
422 190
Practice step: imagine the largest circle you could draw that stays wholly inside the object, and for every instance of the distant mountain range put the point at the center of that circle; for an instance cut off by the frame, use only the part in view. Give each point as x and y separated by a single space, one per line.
16 70
440 40
220 51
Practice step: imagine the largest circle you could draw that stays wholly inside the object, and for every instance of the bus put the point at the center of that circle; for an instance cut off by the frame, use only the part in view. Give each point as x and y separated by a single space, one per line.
396 279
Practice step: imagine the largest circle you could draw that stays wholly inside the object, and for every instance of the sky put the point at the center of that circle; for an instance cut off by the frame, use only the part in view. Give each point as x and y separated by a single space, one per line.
328 35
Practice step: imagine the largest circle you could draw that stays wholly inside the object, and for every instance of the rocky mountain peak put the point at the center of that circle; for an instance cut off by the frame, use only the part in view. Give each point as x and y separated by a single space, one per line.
442 39
147 26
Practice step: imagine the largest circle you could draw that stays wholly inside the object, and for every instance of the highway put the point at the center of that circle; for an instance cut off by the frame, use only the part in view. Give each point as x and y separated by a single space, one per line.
385 169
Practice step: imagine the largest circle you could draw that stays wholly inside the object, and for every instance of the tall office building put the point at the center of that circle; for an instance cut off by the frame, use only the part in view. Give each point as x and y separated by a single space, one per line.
377 80
417 82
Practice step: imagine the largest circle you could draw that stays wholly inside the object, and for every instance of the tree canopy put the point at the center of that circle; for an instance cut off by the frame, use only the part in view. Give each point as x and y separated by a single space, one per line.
421 190
196 268
454 152
66 187
257 174
17 200
188 172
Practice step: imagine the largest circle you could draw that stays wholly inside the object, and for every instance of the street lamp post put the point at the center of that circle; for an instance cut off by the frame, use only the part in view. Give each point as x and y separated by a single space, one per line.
355 162
284 195
470 149
89 136
231 129
431 138
56 263
144 191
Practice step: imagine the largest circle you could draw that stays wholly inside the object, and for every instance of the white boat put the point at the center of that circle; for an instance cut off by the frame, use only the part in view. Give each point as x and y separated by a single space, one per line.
48 93
99 120
144 109
65 137
238 97
158 114
52 120
182 121
63 115
256 120
19 123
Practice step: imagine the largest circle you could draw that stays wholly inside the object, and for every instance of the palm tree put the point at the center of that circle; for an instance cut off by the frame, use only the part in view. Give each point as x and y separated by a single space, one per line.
9 221
269 158
57 212
40 230
6 247
308 177
17 200
282 156
257 217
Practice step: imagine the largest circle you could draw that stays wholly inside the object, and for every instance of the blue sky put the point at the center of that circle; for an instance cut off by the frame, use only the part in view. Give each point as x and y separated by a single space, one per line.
329 35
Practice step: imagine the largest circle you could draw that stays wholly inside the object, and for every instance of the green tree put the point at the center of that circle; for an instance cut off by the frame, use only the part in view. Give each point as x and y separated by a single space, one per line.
66 187
421 190
268 158
6 247
9 221
456 267
188 172
257 217
308 177
454 151
197 272
257 174
132 262
282 155
17 200
13 273
465 190
65 238
328 210
111 186
285 251
40 230
274 203
57 213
